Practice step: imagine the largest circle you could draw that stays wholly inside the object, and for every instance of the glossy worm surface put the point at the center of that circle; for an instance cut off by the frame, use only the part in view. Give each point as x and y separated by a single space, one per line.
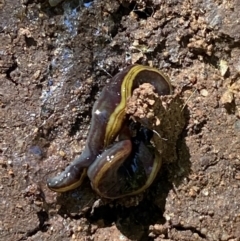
114 166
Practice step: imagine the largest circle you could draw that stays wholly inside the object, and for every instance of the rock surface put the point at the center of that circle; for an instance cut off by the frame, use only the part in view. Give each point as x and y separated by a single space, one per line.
54 61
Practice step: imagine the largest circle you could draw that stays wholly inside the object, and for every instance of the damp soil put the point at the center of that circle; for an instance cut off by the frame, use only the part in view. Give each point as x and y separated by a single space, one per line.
54 62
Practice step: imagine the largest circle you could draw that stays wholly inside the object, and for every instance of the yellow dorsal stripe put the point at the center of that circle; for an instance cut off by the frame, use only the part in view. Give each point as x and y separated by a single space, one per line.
117 117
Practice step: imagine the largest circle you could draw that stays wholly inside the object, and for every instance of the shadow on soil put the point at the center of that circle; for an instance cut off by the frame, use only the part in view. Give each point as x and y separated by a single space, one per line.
134 220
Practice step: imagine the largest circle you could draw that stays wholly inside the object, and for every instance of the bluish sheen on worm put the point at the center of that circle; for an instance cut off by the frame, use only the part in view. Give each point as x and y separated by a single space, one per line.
114 173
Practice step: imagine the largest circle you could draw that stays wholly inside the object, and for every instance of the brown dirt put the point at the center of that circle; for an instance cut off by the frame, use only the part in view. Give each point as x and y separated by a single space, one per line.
54 61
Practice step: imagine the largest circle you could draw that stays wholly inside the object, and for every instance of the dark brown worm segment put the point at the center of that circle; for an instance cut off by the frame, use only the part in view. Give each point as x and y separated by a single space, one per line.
127 168
108 116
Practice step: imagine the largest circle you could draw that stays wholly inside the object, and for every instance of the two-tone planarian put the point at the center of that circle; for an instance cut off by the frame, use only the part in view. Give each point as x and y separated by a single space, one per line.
116 163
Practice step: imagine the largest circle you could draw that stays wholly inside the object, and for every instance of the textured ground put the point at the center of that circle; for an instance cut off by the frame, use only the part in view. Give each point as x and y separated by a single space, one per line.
54 61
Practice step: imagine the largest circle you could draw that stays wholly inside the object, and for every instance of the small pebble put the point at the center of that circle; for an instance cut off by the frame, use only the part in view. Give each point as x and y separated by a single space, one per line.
223 67
227 97
205 192
62 153
204 92
36 75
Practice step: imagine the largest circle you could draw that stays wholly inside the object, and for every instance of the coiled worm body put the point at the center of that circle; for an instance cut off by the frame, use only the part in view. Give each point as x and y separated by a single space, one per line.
103 158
